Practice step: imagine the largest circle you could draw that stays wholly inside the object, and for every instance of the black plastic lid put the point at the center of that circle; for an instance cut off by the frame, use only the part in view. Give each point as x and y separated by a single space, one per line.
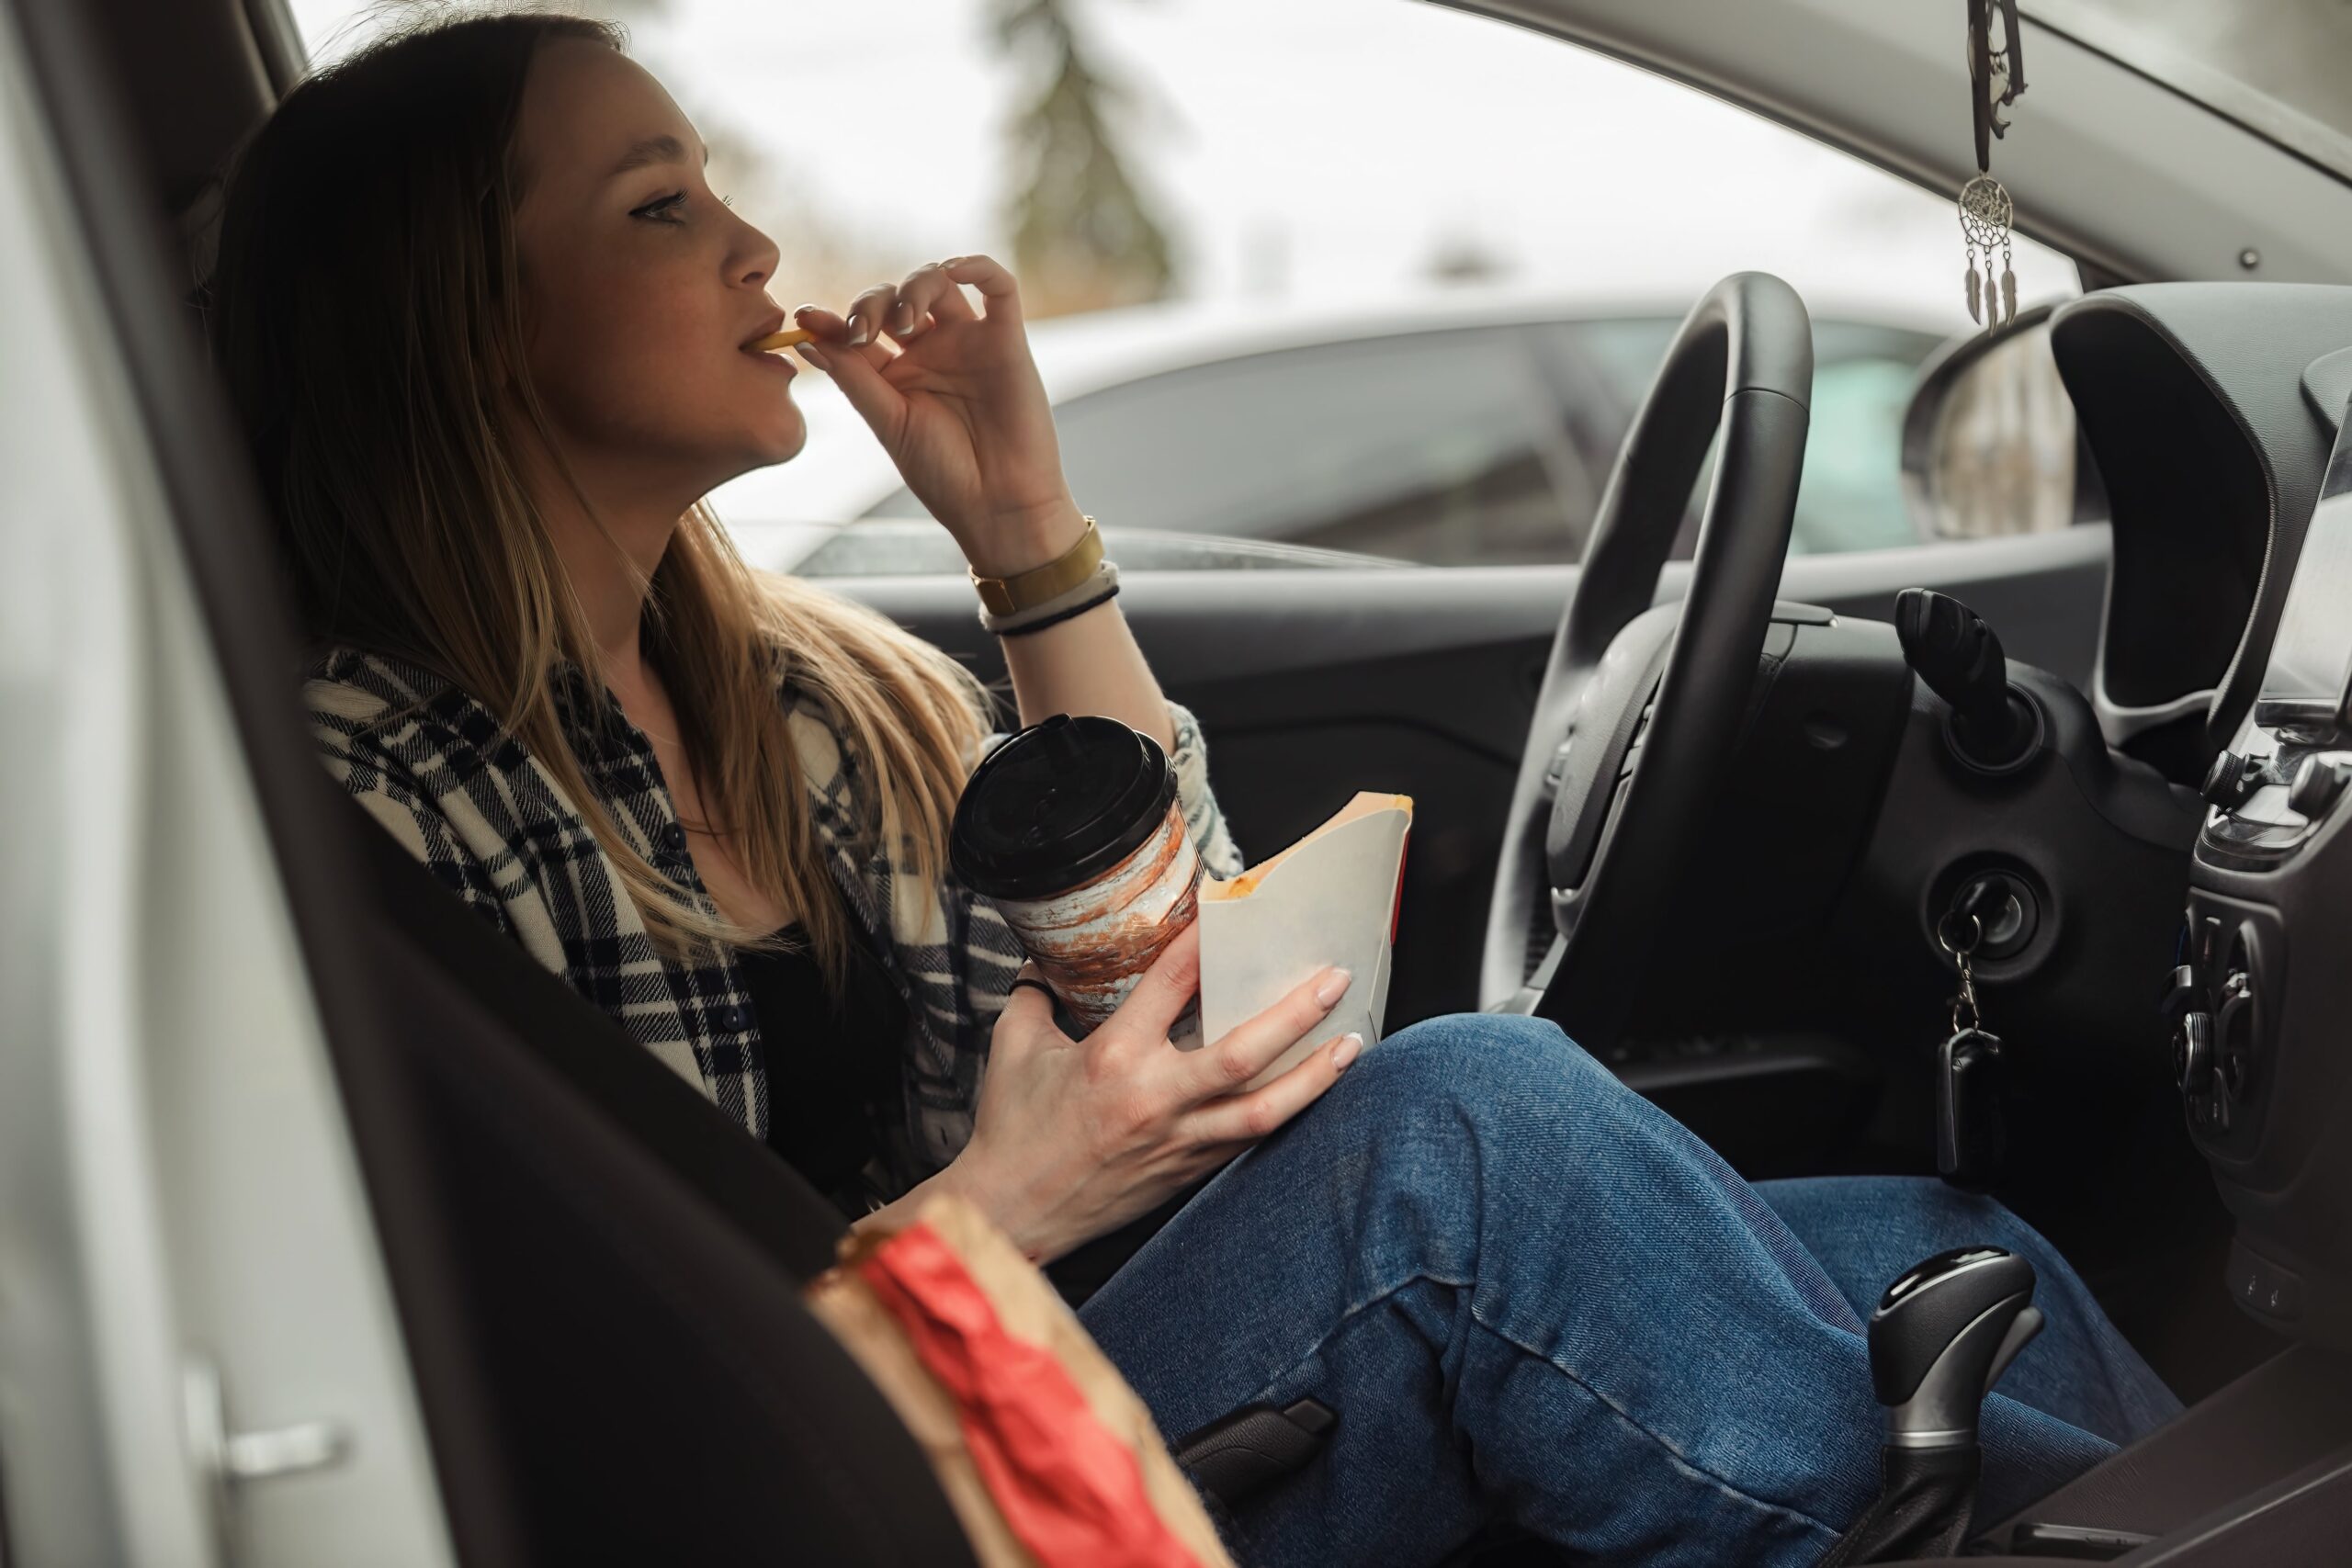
1056 806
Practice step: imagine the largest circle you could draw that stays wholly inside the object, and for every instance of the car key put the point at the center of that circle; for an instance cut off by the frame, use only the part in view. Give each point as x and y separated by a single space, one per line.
1969 1134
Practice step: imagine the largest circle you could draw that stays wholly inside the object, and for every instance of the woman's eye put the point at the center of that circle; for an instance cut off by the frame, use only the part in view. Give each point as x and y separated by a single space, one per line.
659 209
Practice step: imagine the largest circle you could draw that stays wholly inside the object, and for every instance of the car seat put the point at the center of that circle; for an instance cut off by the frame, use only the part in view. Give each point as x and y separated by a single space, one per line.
637 1371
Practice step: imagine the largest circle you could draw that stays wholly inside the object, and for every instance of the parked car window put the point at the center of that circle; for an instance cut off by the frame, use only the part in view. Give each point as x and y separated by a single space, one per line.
1466 449
1851 497
1444 448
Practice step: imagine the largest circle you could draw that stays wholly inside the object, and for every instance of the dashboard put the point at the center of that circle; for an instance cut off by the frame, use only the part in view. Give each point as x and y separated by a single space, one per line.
2213 412
2258 1003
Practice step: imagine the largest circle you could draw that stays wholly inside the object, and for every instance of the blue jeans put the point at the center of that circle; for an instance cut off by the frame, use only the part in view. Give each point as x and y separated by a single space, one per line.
1531 1294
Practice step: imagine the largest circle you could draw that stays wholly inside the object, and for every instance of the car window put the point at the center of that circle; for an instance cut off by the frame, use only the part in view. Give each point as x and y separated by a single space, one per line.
1443 448
1329 273
1468 448
1850 495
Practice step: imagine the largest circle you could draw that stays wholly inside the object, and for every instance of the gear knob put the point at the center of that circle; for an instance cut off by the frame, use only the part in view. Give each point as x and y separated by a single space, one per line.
1941 1336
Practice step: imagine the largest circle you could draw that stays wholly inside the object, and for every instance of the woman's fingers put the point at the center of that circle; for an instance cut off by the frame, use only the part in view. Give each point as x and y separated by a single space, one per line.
1246 1118
1249 1049
832 344
995 284
869 313
927 298
823 323
898 310
1027 1014
1163 993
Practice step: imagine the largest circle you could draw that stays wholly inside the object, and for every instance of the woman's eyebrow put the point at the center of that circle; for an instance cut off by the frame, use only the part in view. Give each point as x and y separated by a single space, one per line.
662 149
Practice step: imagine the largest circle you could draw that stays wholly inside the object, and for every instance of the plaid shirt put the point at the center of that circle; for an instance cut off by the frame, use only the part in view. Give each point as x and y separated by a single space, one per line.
430 764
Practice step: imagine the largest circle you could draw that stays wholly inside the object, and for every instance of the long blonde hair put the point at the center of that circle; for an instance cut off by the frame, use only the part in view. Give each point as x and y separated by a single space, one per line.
365 304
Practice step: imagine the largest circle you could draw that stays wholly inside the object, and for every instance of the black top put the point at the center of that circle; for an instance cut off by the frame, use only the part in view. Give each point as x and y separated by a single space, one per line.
832 1062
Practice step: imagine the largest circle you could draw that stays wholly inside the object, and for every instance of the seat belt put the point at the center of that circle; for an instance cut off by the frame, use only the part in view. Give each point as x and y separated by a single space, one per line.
761 1194
641 1381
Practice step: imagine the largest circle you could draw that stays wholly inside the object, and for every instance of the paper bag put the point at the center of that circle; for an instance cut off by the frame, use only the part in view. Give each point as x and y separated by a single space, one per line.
1047 1457
1332 897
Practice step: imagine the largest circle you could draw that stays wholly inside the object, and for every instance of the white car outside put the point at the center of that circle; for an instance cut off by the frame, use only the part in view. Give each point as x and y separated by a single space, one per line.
1477 427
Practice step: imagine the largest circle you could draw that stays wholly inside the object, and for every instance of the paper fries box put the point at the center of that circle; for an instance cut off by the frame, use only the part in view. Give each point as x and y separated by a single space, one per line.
1047 1457
1332 897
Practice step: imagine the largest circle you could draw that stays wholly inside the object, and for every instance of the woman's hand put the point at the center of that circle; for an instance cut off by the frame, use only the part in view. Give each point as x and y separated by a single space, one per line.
1076 1137
958 406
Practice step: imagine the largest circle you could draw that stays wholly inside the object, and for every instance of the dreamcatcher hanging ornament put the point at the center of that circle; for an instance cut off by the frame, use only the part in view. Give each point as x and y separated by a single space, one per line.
1985 212
1996 77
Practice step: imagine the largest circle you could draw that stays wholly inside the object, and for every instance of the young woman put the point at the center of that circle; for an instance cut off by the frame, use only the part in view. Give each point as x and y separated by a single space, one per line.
486 324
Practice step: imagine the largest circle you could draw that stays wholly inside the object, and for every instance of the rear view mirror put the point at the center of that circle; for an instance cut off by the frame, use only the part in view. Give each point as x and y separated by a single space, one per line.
1989 442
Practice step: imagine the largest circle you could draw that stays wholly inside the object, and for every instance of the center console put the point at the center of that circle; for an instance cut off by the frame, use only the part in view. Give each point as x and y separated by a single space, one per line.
2261 997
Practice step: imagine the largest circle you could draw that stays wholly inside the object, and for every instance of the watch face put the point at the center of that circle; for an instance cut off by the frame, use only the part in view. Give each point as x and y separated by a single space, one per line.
2311 655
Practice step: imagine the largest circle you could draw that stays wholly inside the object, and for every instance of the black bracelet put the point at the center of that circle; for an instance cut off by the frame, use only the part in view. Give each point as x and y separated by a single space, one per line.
1034 984
1056 619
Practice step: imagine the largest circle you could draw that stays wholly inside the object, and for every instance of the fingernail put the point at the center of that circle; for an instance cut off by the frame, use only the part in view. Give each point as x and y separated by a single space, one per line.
1346 1051
808 353
800 310
1333 987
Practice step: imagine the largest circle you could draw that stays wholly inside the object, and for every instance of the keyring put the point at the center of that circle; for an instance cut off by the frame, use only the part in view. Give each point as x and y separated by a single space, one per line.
1956 949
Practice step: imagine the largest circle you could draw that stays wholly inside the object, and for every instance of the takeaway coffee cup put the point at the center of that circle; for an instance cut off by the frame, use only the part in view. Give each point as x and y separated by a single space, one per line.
1071 829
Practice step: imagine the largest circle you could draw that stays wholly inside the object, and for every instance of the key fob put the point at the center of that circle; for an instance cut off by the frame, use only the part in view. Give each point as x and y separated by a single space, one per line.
1969 1134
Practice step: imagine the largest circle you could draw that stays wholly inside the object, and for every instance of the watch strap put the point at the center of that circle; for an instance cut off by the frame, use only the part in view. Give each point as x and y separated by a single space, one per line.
1023 591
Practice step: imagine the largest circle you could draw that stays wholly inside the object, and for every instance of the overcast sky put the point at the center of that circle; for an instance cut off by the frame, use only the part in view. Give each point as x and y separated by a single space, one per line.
1312 149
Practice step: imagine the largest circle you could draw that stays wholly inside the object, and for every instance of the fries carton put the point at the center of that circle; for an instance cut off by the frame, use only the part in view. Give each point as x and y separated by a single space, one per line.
1332 897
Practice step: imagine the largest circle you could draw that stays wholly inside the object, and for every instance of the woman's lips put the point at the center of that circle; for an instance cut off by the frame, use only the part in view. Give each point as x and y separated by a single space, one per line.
773 361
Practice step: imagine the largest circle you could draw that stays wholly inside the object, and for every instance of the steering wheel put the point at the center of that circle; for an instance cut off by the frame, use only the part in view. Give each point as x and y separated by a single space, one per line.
1640 708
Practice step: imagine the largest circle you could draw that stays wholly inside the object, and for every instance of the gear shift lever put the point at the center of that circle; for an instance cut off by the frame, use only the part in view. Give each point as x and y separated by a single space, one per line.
1941 1336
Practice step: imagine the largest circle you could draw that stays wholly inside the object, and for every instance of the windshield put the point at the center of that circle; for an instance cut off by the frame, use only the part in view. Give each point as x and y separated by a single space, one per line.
2282 68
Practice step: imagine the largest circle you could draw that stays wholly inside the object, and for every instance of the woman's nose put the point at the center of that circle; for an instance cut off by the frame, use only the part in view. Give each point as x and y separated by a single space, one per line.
756 257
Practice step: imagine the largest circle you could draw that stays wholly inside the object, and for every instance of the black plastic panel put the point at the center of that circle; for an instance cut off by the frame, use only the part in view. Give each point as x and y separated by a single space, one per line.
2189 501
2277 1145
2190 396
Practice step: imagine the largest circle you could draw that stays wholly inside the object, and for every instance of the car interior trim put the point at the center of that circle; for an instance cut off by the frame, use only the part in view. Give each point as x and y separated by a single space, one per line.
2190 401
1852 72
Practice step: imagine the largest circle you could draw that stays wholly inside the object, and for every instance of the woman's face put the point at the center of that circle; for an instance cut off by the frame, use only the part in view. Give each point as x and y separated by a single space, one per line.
640 287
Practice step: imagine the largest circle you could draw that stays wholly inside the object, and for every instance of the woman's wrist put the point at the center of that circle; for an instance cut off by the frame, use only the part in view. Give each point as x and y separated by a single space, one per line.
1013 543
966 1176
1098 588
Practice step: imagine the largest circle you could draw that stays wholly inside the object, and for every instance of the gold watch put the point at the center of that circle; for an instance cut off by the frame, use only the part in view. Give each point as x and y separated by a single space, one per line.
1010 596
